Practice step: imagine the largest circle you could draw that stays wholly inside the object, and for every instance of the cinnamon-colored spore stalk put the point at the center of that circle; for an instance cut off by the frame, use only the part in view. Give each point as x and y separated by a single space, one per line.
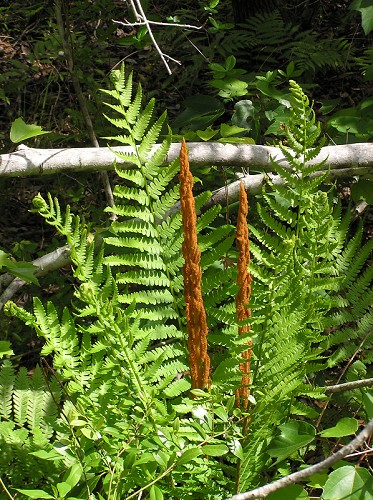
192 273
243 295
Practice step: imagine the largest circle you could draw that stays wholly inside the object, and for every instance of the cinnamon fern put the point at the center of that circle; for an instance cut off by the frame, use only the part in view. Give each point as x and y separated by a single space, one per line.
115 414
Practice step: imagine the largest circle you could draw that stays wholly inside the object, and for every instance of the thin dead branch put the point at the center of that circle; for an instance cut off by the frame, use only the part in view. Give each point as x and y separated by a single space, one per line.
299 476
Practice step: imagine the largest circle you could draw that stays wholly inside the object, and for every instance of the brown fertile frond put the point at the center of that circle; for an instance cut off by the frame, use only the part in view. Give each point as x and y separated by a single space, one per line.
192 273
244 290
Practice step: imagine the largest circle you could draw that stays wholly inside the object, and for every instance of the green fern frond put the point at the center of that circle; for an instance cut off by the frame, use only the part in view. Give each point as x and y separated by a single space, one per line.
133 112
150 277
147 297
162 206
21 396
7 380
277 227
274 42
142 123
149 139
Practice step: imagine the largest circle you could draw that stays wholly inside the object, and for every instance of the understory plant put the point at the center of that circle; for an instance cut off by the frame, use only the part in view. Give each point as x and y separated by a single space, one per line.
119 413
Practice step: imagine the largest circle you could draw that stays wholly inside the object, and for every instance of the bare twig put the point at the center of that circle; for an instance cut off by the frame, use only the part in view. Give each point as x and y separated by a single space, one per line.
156 46
348 386
6 489
157 23
341 375
296 477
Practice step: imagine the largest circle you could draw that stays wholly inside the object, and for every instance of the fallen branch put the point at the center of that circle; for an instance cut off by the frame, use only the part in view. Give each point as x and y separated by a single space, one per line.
48 262
349 386
31 161
227 194
296 477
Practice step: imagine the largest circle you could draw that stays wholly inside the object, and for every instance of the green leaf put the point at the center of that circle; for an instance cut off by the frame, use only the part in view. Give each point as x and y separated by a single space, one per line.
244 114
35 493
294 435
230 87
155 493
357 120
368 402
235 447
365 7
344 427
362 190
63 488
47 455
21 269
221 412
228 130
189 455
215 450
279 95
292 492
199 393
90 433
5 349
230 63
206 134
20 131
201 111
25 271
349 483
317 480
78 423
73 476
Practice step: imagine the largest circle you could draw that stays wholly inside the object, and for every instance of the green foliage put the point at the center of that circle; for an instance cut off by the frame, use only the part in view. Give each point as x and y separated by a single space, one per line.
21 269
365 7
355 122
301 272
127 417
20 131
348 482
127 424
29 405
273 41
